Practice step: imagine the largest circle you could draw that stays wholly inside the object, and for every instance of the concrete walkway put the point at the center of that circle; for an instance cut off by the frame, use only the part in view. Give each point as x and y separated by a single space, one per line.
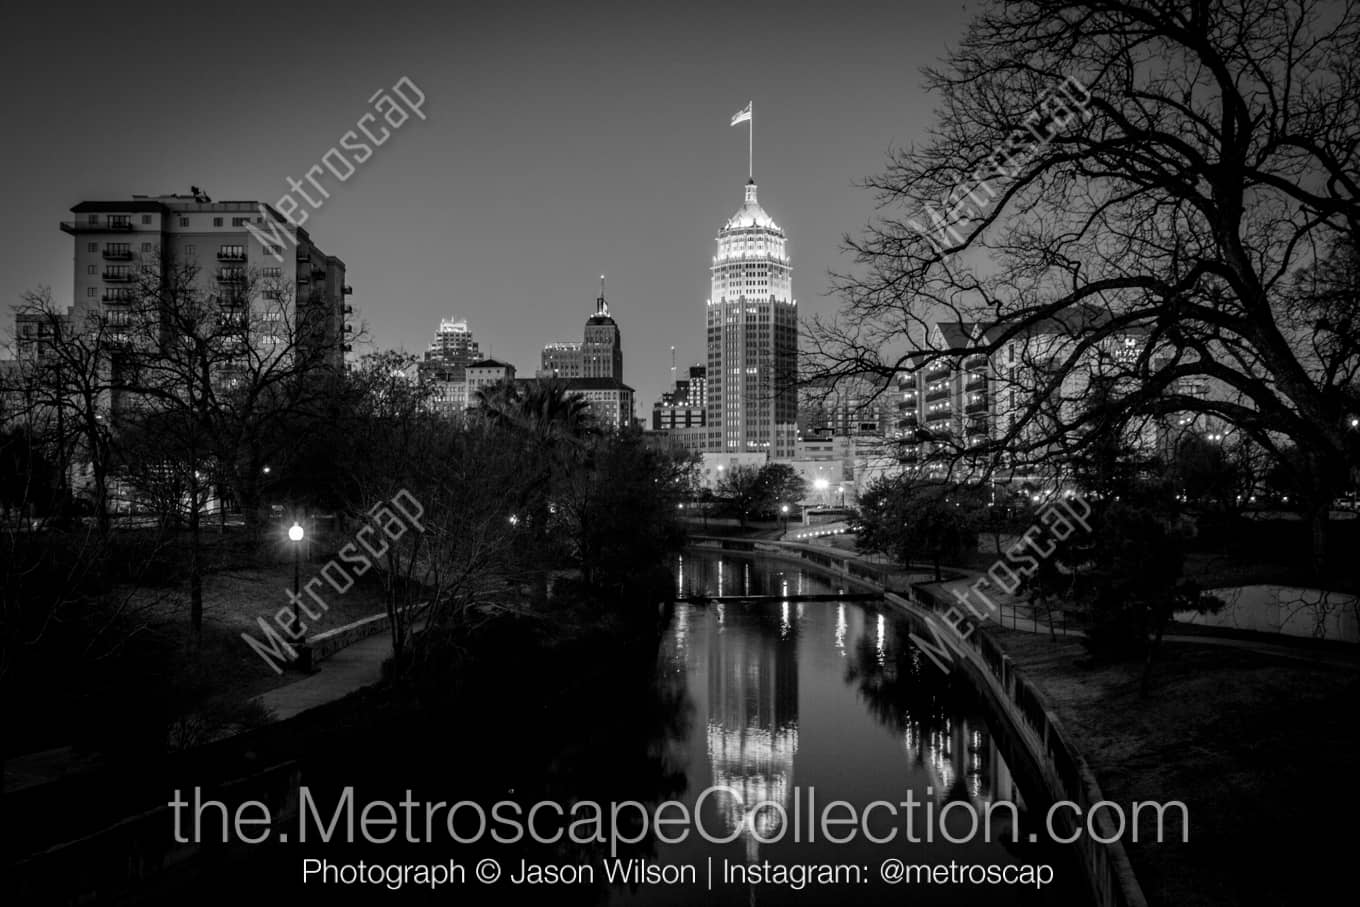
1018 615
348 670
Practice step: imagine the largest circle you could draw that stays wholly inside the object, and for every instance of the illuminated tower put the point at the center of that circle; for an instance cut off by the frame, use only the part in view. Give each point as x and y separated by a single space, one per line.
752 338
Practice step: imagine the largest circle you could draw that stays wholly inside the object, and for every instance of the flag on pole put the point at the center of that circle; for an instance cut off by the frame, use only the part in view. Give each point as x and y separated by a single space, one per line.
741 116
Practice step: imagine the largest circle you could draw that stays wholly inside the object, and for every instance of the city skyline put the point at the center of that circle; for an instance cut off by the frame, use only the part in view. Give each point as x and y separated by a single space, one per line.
631 179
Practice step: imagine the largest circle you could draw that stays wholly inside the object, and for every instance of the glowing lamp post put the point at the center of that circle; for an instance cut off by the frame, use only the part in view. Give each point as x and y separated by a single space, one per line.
295 535
784 513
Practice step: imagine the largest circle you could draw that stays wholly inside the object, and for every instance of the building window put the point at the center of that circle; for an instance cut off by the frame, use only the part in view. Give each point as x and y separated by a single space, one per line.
146 218
184 221
190 250
94 218
217 221
146 247
89 269
239 221
119 220
92 247
89 291
273 273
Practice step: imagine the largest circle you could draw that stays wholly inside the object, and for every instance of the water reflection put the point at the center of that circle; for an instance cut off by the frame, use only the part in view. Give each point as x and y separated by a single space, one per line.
753 722
824 696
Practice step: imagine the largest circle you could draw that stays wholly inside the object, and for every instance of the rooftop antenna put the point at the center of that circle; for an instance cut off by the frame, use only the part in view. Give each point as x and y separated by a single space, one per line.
672 366
601 307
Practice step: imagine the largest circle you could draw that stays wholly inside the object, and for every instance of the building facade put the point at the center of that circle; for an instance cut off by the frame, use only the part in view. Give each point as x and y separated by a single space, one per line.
219 244
752 338
1028 387
685 405
611 401
454 345
598 355
486 373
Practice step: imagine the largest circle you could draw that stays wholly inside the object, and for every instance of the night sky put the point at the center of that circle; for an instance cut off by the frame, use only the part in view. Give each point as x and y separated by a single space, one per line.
561 143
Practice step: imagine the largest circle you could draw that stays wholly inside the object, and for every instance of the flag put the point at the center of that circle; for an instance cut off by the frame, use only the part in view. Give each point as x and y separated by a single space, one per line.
741 116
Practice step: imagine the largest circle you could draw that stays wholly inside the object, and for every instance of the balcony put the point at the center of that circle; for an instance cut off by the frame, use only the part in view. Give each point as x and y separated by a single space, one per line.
939 393
304 253
118 276
347 290
975 379
349 310
231 256
938 370
318 273
977 406
231 277
80 226
117 296
118 255
349 329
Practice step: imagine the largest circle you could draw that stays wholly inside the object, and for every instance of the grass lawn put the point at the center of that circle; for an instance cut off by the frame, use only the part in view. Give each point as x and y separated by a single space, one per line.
1261 749
233 602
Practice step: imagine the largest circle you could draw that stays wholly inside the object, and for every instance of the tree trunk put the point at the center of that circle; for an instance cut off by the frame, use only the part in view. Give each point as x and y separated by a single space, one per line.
1145 688
101 500
195 568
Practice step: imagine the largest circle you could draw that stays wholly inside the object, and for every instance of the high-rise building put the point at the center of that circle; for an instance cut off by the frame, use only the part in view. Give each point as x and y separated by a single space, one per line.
1028 387
444 368
752 322
453 345
222 242
598 355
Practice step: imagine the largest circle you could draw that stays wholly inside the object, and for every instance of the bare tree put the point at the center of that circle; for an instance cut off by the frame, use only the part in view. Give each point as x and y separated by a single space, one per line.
210 364
1126 190
64 383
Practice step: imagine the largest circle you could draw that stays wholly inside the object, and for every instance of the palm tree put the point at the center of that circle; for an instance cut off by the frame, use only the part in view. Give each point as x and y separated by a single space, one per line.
553 426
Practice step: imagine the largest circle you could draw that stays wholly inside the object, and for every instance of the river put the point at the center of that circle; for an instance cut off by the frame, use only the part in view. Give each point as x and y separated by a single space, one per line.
783 736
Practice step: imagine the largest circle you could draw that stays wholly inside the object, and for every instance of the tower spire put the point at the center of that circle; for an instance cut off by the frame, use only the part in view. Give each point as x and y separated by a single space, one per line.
601 307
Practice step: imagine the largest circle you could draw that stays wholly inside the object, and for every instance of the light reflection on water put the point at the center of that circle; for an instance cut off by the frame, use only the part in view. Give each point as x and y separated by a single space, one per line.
821 699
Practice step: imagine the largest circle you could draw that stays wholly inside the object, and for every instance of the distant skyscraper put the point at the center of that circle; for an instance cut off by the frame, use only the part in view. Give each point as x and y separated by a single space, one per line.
453 345
600 355
752 338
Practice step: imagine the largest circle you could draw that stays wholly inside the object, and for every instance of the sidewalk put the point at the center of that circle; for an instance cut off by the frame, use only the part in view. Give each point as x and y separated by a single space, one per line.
348 670
1019 616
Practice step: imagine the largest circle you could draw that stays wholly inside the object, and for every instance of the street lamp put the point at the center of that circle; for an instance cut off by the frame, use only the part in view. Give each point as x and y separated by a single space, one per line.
784 512
295 535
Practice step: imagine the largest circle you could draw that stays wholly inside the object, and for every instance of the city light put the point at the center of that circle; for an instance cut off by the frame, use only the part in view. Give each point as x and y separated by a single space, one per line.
821 484
295 532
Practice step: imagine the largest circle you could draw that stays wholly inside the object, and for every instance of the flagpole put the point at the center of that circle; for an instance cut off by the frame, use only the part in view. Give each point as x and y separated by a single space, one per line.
751 143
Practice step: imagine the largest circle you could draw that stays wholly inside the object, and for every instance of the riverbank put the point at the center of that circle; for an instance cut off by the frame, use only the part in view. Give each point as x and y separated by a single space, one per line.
1255 736
1259 747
